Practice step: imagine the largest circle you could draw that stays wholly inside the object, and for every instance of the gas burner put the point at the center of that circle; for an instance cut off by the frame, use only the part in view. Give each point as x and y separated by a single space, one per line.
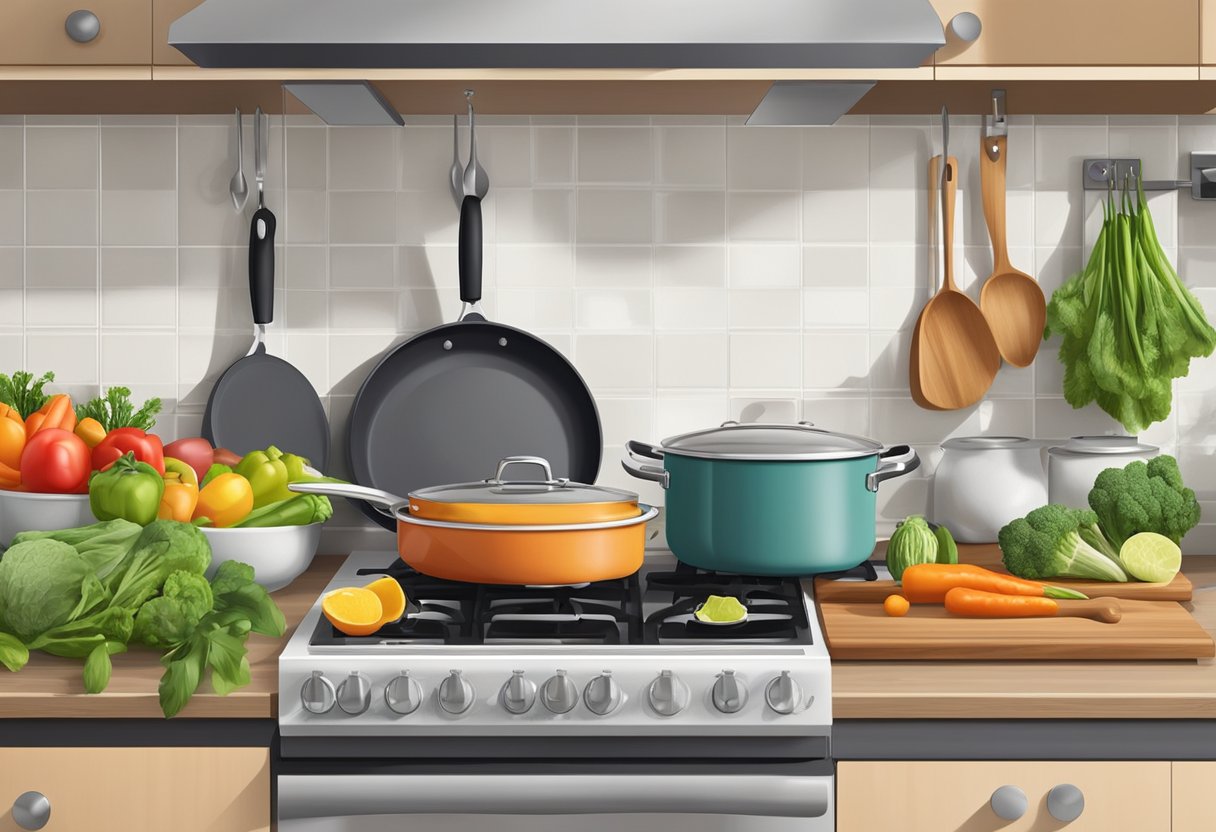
776 612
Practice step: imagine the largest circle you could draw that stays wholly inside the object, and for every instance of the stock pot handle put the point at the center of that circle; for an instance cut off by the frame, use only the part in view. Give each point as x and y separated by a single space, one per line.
893 462
643 449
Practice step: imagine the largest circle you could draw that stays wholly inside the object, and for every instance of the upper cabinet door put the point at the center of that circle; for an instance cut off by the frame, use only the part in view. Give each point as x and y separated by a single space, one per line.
110 32
164 12
1076 33
1207 21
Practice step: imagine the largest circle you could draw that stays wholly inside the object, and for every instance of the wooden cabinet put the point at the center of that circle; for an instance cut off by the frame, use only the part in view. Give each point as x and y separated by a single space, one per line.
954 796
165 12
141 789
1077 33
1194 808
1207 32
32 33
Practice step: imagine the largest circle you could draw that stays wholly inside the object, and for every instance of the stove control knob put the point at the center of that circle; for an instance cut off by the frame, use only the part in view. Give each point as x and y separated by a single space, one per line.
317 694
354 694
403 694
518 694
783 694
602 694
668 694
729 696
559 694
455 694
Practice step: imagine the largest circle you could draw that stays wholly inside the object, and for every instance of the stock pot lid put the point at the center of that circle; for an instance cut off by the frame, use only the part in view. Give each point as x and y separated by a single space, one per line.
542 488
757 441
1086 445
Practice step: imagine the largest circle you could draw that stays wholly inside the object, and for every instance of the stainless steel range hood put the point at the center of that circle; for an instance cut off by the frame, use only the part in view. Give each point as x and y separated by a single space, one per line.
539 34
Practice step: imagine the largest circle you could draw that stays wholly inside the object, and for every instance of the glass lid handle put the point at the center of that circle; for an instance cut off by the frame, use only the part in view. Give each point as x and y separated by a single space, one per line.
526 460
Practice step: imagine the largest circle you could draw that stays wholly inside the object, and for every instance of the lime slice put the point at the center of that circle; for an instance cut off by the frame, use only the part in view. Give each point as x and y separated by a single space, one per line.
720 609
1149 556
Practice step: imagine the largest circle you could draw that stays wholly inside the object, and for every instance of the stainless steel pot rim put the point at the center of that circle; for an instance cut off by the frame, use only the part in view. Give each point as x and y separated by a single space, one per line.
648 513
760 441
988 443
1104 445
546 491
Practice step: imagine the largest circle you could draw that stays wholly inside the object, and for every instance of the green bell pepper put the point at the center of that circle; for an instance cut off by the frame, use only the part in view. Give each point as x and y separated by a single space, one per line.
267 473
128 490
295 467
299 510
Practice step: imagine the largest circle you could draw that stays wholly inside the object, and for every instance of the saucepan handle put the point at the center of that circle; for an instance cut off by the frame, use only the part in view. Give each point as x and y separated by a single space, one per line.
381 501
893 462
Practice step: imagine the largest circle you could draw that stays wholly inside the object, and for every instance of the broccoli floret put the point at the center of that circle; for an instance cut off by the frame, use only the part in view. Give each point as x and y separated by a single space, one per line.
1055 541
1144 497
169 619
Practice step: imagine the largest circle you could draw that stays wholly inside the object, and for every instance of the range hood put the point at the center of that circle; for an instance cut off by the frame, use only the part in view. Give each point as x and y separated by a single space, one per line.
547 34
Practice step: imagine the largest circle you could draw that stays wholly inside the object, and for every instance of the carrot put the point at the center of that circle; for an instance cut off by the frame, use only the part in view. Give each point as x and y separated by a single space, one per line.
974 603
57 413
895 606
928 583
10 477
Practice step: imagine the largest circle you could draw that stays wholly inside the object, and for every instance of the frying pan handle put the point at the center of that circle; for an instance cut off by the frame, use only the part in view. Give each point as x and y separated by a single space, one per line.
893 462
381 501
643 449
469 250
652 473
261 265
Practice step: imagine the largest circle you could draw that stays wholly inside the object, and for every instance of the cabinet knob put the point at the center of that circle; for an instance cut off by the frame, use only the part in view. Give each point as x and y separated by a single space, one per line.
31 810
82 26
1065 802
965 26
1008 803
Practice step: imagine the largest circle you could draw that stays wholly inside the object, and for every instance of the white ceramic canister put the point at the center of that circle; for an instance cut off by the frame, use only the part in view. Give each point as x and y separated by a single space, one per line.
983 482
1072 466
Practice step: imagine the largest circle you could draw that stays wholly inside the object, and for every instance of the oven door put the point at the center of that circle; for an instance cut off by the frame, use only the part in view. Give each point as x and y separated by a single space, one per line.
562 798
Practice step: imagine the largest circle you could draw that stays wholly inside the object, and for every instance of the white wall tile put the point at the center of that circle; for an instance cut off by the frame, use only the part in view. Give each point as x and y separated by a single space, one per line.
835 360
61 157
690 266
615 362
762 216
613 266
362 158
680 308
763 158
692 155
362 217
139 158
835 308
12 218
692 360
138 218
835 158
769 360
540 216
613 309
12 156
61 218
615 155
763 266
691 216
552 155
764 308
615 216
63 268
61 307
830 265
361 267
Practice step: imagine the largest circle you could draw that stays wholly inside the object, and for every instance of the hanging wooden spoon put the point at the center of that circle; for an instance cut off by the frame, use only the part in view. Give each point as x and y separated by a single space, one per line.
1011 300
935 175
956 355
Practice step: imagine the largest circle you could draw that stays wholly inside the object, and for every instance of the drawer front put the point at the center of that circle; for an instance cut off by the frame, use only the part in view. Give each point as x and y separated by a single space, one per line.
1193 806
164 12
140 789
955 796
32 33
1075 32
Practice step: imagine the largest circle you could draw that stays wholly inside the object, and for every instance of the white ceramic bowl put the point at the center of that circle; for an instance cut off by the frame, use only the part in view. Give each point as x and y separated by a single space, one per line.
278 554
24 512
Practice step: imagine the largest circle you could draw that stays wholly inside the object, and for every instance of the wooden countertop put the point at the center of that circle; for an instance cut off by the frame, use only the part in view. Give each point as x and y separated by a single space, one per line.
1038 690
51 687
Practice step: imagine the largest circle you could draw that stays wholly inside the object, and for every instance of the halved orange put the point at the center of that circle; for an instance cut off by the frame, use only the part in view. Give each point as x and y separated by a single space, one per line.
353 610
392 599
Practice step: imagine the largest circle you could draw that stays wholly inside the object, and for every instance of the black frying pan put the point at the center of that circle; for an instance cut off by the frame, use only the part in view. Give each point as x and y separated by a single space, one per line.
447 405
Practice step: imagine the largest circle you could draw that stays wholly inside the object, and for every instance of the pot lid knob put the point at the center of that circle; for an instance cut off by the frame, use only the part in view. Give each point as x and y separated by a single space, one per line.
668 694
559 693
602 694
403 694
783 694
455 694
518 694
728 695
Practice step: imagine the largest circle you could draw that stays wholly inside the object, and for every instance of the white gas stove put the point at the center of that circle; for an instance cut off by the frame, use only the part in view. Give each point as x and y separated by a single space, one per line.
491 701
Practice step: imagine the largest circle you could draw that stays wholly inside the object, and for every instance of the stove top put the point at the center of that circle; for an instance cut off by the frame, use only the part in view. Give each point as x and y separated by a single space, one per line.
623 657
652 607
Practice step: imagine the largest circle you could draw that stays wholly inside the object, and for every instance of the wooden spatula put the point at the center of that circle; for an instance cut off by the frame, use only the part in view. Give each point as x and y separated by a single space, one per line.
918 395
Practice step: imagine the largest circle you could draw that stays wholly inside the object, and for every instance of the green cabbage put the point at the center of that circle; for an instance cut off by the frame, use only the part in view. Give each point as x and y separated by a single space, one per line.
912 542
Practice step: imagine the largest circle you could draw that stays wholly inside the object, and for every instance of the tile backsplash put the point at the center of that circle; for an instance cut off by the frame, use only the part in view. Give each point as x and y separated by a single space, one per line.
693 269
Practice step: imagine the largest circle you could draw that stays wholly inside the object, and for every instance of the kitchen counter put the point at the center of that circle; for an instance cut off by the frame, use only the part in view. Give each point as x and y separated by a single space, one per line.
51 687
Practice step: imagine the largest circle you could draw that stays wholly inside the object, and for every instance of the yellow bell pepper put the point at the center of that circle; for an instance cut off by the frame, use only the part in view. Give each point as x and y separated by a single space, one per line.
225 500
180 499
12 436
91 431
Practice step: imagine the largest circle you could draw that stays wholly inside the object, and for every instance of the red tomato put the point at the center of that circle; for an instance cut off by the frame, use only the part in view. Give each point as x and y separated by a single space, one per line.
195 452
55 461
147 448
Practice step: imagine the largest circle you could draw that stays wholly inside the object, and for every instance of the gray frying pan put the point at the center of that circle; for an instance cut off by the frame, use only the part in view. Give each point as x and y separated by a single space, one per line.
449 403
262 400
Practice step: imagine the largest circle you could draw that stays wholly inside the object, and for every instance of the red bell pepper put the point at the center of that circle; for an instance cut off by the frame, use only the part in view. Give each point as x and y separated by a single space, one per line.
147 448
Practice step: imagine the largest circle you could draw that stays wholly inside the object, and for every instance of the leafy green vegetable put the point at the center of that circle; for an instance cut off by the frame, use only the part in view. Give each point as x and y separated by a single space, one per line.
1055 541
911 543
97 667
13 654
23 392
169 618
947 549
103 545
44 583
1129 325
76 639
299 510
1144 497
115 410
163 547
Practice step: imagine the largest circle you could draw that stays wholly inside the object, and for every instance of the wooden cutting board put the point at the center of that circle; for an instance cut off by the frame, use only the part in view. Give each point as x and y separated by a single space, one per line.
988 556
1153 630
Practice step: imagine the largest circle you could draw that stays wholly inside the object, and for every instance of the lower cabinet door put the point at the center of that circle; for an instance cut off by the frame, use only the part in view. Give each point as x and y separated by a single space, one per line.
951 796
1194 808
137 789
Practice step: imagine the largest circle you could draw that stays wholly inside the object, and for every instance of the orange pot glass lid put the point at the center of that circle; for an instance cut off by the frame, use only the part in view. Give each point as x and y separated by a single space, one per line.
542 489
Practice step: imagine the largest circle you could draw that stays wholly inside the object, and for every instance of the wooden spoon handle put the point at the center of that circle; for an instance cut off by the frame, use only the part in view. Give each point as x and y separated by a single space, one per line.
1106 610
949 191
992 186
935 176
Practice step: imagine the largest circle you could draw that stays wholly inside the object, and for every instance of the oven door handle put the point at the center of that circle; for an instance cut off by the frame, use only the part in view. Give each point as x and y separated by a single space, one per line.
304 796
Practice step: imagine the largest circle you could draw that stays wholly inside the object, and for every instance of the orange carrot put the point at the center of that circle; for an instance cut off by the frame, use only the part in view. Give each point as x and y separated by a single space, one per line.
928 583
895 606
10 477
57 413
974 603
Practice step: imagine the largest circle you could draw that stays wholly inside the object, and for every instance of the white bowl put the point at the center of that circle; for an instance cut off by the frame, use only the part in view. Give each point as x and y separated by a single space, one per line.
278 554
24 512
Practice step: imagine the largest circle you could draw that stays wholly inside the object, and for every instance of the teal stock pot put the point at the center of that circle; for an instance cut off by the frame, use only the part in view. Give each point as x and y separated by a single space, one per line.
770 499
